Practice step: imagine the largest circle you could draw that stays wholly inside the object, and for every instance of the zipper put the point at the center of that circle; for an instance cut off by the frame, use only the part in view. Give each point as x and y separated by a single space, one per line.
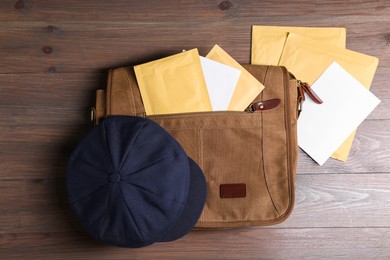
253 107
198 114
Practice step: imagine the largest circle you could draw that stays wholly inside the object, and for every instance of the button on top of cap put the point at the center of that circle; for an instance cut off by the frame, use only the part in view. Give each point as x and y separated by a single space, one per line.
115 177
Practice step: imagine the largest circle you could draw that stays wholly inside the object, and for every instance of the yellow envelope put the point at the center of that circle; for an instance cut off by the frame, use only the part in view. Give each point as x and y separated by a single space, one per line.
247 88
268 41
307 59
174 84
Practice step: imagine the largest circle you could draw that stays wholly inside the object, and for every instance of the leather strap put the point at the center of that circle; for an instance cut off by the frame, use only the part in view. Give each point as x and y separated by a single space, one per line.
264 105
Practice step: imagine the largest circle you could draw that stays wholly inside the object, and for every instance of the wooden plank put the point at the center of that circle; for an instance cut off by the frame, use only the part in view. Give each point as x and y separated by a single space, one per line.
26 111
339 200
24 10
77 90
105 11
90 46
378 87
50 90
382 111
34 115
370 152
246 243
29 152
54 54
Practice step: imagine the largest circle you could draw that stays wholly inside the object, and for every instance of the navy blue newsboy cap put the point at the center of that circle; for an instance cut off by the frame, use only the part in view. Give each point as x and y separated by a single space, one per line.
131 184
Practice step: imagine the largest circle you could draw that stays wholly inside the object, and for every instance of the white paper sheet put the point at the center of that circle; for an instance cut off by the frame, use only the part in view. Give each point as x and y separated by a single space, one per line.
323 128
221 81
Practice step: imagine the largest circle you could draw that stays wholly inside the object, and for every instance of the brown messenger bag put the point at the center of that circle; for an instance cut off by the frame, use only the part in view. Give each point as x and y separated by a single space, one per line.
249 158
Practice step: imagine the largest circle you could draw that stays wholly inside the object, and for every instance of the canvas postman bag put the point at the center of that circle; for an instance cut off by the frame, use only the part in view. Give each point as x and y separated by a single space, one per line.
249 158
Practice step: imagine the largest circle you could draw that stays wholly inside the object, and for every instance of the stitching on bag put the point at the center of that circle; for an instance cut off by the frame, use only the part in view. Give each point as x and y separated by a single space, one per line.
199 152
287 125
109 87
131 90
162 122
209 128
197 145
262 151
203 116
201 147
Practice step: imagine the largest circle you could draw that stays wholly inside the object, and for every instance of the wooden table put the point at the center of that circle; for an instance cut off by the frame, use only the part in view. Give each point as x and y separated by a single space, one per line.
54 54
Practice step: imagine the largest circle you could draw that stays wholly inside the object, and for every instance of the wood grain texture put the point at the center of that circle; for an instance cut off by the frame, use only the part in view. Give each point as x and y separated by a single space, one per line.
58 35
113 44
39 10
253 243
370 152
55 54
345 200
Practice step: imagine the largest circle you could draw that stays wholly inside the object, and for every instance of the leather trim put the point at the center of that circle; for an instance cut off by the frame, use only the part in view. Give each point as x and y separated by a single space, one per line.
311 93
266 104
232 190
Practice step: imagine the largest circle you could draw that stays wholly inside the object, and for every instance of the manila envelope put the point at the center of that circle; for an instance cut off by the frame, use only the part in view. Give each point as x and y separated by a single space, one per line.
307 59
174 84
247 88
268 41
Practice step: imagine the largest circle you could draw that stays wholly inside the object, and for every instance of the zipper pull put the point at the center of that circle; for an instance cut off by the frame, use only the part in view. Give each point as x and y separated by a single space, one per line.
306 88
302 88
301 98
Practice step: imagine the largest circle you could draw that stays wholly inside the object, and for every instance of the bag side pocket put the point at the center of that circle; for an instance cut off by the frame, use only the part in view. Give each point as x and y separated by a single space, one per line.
227 146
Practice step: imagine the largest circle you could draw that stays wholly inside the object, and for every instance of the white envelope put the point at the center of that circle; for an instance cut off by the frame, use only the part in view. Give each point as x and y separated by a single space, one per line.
323 128
221 81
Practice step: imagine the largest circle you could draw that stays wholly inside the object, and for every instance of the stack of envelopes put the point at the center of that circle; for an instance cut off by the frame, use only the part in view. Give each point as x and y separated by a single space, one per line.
187 82
340 77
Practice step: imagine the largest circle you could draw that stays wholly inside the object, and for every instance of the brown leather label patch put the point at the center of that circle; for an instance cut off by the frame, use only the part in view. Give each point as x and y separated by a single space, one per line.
232 190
